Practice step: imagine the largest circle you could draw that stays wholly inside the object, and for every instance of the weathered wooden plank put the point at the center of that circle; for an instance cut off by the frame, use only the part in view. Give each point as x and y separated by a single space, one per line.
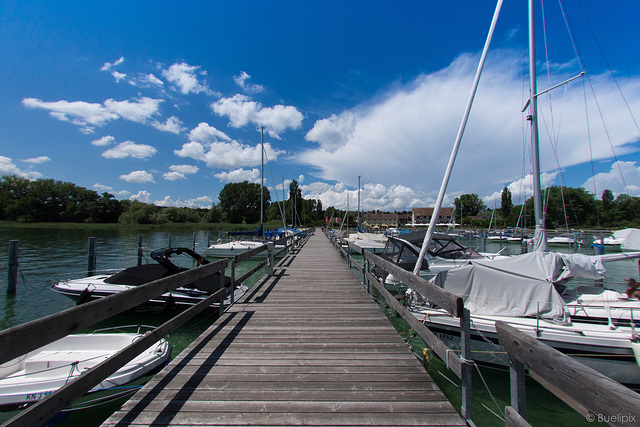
306 347
596 392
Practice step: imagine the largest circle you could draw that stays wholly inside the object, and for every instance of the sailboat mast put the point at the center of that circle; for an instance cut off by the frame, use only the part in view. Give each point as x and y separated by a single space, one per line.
540 235
358 227
261 177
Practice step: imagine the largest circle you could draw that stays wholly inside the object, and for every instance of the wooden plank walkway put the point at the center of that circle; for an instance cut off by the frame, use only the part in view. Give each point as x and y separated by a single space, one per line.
306 347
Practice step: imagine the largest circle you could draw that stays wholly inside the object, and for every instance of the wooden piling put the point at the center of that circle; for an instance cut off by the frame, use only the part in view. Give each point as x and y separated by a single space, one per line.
12 279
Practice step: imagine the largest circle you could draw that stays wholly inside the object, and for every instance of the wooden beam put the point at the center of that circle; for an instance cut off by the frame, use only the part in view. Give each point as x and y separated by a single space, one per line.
598 393
21 339
448 301
44 409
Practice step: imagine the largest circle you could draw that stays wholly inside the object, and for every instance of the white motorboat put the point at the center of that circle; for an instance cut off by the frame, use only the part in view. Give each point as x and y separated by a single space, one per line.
617 238
444 253
373 242
39 373
101 285
566 239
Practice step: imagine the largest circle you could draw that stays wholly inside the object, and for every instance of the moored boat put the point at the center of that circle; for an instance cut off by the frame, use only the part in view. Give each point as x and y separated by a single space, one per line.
39 373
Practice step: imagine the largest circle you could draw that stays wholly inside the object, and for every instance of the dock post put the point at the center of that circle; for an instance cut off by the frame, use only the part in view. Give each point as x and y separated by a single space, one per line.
221 310
170 240
270 248
12 279
91 266
466 368
140 249
518 389
194 240
233 280
208 239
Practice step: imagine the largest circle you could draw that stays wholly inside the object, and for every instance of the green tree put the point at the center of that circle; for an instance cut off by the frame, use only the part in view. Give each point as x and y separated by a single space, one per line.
468 205
241 202
507 204
607 200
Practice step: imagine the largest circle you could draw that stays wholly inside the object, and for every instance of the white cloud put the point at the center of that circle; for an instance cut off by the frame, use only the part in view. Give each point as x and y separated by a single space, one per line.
173 176
240 175
621 172
142 196
404 137
139 110
101 187
206 133
173 125
186 169
104 141
130 149
84 114
7 167
179 172
334 132
145 80
91 115
37 160
241 80
199 202
223 155
109 65
241 111
138 177
185 77
118 76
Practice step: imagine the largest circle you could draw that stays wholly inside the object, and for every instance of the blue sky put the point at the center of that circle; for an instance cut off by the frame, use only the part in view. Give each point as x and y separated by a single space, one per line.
163 101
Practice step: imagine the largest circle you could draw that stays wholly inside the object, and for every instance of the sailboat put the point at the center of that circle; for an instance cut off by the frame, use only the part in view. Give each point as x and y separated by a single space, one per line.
526 290
232 248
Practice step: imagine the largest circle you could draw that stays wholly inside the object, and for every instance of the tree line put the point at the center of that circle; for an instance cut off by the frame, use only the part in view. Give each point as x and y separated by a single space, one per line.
48 200
565 207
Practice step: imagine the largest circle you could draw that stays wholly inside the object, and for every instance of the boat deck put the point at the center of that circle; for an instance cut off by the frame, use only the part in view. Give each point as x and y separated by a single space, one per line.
307 346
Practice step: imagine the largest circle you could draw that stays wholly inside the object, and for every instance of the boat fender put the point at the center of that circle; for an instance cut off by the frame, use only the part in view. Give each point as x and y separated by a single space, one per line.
425 358
219 241
84 296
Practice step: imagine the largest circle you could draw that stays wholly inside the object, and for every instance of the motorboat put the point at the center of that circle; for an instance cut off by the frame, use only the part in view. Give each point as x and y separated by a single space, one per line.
231 248
617 238
565 239
102 285
37 374
444 253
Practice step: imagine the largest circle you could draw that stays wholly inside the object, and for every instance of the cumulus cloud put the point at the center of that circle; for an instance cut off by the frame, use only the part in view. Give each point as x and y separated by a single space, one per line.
101 187
198 202
179 172
405 136
142 196
103 141
130 149
206 133
7 167
621 173
138 177
172 125
241 80
91 115
241 111
185 78
37 160
240 175
227 155
84 114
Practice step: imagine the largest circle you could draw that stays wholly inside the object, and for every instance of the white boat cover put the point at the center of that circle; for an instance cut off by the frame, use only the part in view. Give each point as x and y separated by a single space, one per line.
521 285
632 241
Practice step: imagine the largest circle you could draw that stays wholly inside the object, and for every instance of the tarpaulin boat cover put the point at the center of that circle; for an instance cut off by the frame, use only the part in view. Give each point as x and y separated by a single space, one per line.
514 286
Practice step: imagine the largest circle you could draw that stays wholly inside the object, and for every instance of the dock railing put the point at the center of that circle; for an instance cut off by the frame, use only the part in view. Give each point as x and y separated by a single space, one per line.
595 396
19 340
461 365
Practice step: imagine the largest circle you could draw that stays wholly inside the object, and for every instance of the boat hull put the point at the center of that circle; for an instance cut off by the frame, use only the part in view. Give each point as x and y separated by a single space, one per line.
610 354
37 374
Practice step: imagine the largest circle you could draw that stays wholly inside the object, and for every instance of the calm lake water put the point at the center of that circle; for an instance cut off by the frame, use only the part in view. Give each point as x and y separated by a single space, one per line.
50 255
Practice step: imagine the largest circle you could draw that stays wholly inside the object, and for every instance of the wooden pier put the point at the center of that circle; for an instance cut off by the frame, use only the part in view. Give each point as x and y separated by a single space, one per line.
307 346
